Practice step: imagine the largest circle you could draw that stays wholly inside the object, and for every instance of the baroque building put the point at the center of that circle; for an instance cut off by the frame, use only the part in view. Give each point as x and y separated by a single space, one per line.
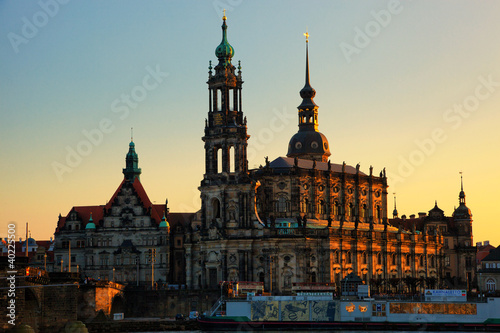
299 218
117 241
459 255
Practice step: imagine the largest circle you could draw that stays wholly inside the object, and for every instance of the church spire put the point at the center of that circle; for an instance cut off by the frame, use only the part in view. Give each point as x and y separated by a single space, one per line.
224 51
308 143
461 196
132 169
395 211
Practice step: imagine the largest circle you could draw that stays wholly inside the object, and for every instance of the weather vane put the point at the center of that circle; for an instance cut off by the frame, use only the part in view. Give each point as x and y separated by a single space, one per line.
224 16
307 36
131 134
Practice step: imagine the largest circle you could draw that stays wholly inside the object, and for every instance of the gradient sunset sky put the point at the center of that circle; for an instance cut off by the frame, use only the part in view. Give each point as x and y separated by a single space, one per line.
412 86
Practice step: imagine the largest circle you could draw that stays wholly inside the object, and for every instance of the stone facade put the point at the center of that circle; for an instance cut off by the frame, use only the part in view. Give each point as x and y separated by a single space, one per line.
117 241
489 274
300 218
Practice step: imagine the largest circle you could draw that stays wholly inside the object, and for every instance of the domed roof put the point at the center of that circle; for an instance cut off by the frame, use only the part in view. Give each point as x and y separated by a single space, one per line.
90 225
462 212
311 143
164 222
224 52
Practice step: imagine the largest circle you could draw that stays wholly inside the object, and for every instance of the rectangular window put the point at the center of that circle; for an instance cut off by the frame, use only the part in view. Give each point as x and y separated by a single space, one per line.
447 261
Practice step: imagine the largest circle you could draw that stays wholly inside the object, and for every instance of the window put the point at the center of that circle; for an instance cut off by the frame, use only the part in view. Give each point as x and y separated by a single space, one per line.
468 262
348 257
421 261
447 261
282 204
491 285
336 208
379 258
378 310
394 259
363 256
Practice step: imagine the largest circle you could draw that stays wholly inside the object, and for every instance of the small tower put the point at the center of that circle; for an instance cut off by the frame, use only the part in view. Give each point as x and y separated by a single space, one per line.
308 143
395 211
462 216
132 169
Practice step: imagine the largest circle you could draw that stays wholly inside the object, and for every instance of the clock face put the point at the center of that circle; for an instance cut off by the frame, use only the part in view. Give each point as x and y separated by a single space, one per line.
298 145
314 145
325 145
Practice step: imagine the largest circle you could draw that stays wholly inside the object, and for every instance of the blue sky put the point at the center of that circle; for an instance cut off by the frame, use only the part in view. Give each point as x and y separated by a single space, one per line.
409 86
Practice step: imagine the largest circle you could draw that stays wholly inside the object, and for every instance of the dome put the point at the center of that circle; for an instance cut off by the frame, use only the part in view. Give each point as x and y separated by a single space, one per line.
224 52
164 222
309 145
462 212
90 226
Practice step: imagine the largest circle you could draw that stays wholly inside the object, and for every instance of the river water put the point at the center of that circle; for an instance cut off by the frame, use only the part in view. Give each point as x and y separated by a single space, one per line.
324 331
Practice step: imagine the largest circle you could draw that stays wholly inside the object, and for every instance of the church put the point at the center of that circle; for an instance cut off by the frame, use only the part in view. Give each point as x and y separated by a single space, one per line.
300 218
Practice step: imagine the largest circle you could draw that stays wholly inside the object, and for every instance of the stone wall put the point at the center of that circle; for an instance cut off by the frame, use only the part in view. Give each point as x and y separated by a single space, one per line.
168 303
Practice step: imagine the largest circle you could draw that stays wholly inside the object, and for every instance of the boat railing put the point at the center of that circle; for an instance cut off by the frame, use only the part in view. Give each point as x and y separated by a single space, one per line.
216 306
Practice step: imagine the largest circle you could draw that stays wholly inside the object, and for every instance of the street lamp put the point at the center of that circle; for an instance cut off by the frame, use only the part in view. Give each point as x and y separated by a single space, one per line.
45 261
62 265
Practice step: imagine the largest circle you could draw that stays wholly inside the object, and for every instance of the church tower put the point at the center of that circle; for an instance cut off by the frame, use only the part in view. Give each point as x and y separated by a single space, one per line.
132 169
226 183
463 218
308 143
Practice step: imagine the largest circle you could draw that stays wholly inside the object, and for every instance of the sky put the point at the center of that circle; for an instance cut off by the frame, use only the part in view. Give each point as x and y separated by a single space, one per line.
410 86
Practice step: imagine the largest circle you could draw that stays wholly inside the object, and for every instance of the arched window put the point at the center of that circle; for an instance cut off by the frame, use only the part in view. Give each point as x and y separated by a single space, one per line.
394 259
336 208
216 208
379 258
363 256
421 261
348 257
230 158
218 157
433 262
321 207
379 213
491 285
313 277
408 259
282 204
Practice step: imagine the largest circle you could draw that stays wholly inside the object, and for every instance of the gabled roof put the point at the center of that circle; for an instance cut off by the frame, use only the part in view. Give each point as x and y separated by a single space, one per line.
494 255
98 211
288 162
83 214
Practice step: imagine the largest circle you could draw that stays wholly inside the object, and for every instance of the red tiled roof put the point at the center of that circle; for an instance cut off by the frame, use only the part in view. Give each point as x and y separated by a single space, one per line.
98 211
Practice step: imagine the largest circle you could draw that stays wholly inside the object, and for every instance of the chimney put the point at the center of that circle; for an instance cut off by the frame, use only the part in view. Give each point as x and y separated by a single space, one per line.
403 217
421 215
486 243
479 244
412 216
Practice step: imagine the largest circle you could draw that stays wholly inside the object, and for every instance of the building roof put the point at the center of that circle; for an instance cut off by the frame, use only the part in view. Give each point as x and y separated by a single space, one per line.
494 255
288 162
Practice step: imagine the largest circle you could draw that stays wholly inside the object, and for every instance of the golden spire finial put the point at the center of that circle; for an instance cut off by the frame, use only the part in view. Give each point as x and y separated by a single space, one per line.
224 17
307 36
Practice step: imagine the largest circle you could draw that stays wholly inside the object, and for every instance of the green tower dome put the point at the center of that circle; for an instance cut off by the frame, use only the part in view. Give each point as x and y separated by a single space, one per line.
90 225
164 223
224 51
